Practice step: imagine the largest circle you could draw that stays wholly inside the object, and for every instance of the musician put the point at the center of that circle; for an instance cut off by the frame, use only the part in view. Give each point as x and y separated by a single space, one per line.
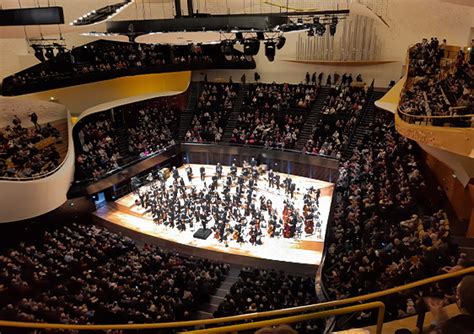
233 171
277 181
189 172
292 188
270 178
219 170
175 173
253 162
202 170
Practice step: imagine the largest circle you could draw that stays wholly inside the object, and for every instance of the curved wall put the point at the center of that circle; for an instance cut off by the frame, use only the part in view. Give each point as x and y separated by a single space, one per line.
21 200
82 97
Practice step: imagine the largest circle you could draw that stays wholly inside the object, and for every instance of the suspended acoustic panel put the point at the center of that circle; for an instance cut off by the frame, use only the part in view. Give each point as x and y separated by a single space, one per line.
31 16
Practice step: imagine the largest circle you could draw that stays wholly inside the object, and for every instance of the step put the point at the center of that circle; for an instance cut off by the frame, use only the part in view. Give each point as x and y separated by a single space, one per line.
202 315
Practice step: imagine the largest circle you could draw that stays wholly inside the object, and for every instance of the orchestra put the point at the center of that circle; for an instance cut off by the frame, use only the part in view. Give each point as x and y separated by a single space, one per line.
229 205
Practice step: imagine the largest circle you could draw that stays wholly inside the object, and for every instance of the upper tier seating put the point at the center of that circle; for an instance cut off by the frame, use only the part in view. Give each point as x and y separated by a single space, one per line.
432 90
101 60
28 152
213 106
273 115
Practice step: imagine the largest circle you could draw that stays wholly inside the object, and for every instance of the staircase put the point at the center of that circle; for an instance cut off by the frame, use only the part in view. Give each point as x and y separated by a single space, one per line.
207 310
187 116
364 125
122 138
312 118
234 114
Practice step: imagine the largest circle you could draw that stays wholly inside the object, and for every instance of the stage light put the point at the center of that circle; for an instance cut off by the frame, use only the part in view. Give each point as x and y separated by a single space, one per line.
49 53
251 47
38 53
260 35
239 36
333 26
320 29
270 50
310 32
227 48
281 42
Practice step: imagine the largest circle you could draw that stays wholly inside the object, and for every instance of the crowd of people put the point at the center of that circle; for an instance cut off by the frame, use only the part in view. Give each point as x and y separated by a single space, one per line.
232 204
264 128
280 96
155 130
106 59
97 147
258 290
437 91
82 274
214 104
28 152
339 114
378 239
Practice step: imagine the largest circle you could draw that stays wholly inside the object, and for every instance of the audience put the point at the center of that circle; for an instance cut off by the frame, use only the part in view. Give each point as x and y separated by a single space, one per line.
213 107
436 91
378 239
28 152
267 119
79 274
106 59
97 150
258 290
339 115
154 131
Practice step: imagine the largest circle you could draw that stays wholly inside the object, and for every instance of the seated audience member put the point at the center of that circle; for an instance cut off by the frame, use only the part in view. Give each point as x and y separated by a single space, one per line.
459 324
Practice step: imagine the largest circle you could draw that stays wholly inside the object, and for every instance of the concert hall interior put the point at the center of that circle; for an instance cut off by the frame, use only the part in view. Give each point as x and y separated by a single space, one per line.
209 166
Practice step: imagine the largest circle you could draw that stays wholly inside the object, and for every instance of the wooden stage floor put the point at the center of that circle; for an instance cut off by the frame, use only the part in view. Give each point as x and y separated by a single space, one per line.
307 250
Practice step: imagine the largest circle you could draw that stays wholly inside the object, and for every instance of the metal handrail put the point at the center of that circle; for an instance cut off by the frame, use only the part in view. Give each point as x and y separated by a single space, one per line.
243 317
299 318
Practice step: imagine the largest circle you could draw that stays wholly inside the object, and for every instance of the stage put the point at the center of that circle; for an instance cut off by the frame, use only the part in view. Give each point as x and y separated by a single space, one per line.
306 249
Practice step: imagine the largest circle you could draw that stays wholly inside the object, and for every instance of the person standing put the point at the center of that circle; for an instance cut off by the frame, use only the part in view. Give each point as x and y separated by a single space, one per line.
34 120
202 170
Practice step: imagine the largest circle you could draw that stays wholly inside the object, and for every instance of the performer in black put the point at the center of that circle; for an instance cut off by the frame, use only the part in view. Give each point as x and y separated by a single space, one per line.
189 172
202 170
219 170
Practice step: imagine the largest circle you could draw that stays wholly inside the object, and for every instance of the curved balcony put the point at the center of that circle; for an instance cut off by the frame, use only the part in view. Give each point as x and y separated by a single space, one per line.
26 194
446 126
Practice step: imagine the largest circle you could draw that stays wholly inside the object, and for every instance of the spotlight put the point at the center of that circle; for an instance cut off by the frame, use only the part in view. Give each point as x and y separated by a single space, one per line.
239 36
227 48
251 47
316 20
38 53
299 20
270 50
333 26
281 42
310 32
260 35
320 29
49 53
